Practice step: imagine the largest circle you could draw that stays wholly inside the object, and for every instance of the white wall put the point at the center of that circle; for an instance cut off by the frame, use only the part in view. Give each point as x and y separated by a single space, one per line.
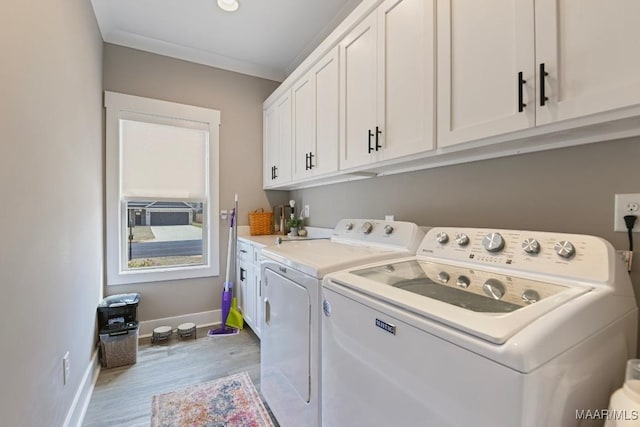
51 204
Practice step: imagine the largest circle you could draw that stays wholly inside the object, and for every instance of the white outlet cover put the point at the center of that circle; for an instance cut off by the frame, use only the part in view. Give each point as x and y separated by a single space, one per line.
626 204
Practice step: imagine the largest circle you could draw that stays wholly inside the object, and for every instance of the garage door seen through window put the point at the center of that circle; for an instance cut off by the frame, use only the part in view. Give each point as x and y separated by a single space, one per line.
161 234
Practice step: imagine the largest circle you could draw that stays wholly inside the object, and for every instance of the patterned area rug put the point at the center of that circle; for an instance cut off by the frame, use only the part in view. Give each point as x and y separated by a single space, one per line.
229 401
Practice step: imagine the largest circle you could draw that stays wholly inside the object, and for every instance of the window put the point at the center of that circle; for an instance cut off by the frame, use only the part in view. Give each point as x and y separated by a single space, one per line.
162 190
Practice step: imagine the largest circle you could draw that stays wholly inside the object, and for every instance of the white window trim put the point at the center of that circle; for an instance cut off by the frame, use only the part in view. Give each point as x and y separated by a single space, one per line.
119 106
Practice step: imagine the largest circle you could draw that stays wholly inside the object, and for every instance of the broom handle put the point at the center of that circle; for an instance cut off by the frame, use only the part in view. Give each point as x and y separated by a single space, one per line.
235 240
229 252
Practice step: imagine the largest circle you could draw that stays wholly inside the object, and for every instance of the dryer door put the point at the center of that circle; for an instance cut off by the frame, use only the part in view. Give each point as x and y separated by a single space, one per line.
285 346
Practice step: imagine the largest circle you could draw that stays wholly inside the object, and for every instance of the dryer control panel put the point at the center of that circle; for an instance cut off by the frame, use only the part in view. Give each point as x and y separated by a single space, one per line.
559 254
394 234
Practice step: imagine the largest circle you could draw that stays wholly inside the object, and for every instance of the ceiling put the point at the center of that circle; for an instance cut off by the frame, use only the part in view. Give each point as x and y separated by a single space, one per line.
263 38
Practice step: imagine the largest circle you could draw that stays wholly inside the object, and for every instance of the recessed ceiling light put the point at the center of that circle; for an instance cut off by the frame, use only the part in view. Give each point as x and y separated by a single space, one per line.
228 5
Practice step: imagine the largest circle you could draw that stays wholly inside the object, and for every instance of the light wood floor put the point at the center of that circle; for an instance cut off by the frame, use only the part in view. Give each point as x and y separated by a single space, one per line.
122 396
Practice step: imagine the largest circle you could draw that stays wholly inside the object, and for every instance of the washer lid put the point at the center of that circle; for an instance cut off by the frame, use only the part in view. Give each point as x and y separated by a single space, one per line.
485 304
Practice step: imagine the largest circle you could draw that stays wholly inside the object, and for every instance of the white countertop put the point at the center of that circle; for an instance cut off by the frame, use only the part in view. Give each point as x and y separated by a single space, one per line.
270 239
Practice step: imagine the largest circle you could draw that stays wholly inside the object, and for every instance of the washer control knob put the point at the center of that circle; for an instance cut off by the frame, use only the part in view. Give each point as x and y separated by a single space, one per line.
388 229
443 277
442 237
493 288
349 226
462 239
565 249
530 296
493 242
366 227
463 282
531 246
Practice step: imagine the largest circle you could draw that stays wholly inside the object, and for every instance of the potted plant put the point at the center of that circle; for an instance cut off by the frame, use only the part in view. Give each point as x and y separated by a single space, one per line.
294 224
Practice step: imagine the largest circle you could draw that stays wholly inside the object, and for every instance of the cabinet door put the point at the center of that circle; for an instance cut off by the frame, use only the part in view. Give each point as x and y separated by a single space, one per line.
271 147
315 104
247 301
358 94
277 169
327 110
481 49
283 166
304 124
406 77
590 52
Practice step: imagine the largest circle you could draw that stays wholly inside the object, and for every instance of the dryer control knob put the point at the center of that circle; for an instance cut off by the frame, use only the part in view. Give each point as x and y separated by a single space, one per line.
366 227
493 288
565 249
442 237
443 277
462 239
531 246
348 226
388 229
493 242
463 282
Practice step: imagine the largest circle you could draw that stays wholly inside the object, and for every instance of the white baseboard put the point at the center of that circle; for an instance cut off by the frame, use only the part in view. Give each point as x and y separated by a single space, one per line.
203 319
81 400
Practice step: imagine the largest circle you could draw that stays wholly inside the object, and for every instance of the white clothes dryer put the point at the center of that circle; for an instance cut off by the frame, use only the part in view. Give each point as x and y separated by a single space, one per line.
292 275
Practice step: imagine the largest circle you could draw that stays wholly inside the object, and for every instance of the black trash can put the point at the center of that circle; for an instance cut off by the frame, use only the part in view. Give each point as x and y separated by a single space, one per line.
118 329
116 311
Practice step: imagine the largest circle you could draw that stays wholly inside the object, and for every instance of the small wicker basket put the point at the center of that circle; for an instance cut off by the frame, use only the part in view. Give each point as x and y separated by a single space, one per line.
260 222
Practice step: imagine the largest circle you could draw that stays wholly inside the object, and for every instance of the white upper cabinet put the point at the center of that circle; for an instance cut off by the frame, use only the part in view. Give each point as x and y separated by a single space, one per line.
589 49
508 65
358 65
485 56
406 77
315 99
512 76
277 142
387 84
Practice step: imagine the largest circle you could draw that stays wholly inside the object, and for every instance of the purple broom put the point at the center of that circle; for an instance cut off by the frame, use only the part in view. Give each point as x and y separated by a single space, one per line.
227 294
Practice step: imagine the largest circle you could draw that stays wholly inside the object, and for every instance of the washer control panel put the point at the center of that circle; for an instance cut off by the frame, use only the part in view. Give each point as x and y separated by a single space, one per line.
515 291
572 255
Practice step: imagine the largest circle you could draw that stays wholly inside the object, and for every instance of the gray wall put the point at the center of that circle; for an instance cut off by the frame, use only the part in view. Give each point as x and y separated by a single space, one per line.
51 202
239 99
566 190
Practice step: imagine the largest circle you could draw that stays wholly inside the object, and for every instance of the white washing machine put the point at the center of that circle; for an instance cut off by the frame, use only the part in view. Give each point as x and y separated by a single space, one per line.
292 275
480 328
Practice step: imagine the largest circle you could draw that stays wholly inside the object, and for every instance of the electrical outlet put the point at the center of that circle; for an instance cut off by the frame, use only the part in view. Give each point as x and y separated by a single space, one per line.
305 211
626 204
66 368
389 217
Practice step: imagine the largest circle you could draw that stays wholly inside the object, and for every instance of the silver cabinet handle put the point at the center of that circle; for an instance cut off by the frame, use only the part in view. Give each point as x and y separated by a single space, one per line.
267 311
